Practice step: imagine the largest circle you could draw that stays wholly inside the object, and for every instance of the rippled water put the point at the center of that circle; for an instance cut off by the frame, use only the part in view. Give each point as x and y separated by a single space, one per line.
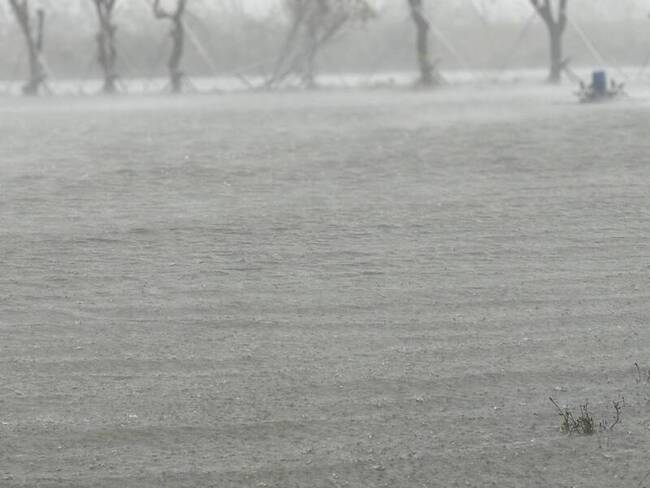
359 288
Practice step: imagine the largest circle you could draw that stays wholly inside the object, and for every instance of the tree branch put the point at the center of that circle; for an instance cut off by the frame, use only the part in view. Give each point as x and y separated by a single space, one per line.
159 12
562 15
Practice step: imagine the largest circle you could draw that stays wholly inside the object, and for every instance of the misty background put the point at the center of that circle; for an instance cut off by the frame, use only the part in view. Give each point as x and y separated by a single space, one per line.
230 36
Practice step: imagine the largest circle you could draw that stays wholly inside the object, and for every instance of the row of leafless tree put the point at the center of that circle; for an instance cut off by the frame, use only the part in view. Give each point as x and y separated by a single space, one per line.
106 46
313 23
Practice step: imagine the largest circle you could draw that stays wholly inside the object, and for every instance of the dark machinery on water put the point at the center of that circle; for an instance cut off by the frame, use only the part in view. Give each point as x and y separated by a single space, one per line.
600 90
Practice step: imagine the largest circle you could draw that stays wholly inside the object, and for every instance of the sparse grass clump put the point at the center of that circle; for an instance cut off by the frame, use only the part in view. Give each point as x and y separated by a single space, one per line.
618 408
641 377
582 422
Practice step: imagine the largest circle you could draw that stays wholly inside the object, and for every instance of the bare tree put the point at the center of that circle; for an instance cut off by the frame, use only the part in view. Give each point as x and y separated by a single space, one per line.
556 25
422 26
313 24
34 39
297 10
178 38
106 49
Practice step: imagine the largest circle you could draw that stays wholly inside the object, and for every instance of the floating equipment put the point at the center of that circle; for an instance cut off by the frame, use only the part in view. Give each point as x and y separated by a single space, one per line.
599 82
600 90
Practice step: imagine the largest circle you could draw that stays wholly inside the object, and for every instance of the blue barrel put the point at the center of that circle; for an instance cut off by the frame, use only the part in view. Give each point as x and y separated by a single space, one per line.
599 81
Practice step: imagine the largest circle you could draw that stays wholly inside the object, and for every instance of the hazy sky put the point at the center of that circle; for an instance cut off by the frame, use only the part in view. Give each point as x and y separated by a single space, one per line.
491 9
505 8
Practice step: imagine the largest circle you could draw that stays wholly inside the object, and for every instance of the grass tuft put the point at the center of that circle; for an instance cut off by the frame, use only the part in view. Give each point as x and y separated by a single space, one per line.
581 423
641 377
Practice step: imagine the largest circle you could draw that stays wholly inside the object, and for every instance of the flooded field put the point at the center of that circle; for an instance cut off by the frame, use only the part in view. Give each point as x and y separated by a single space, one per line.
338 289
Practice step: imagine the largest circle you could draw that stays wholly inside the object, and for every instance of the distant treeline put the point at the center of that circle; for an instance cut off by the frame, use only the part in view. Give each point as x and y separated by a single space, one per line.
221 43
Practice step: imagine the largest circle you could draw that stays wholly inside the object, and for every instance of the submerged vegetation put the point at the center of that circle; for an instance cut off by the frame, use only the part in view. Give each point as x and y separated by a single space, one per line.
581 421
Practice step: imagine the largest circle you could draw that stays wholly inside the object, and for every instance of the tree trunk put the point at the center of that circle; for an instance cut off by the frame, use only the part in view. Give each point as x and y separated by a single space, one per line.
107 58
36 73
106 49
176 75
34 42
556 25
556 61
422 43
308 68
174 65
